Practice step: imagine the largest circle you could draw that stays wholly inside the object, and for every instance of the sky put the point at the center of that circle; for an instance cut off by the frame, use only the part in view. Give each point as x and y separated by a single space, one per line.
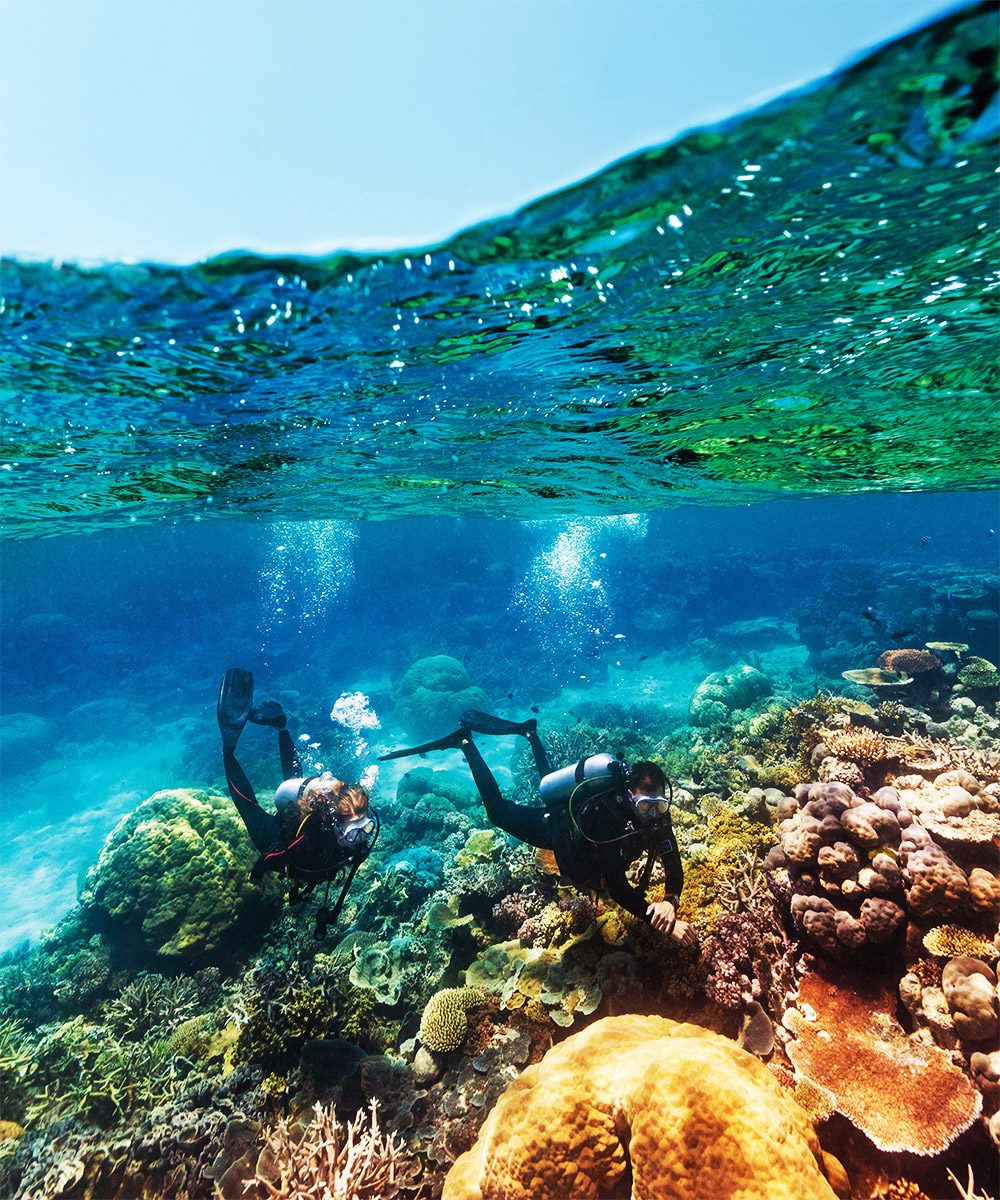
171 130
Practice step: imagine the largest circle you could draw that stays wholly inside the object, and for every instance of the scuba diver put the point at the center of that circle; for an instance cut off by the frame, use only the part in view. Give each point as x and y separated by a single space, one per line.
321 830
597 816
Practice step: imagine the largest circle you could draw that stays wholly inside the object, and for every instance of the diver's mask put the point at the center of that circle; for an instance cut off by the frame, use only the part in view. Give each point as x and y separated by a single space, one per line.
357 833
649 809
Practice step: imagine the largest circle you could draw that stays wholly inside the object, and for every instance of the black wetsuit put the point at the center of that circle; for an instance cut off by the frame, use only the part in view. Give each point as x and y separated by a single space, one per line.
297 846
588 856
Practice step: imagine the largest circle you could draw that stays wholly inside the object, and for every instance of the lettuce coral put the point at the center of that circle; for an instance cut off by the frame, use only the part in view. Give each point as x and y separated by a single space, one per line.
172 877
688 1111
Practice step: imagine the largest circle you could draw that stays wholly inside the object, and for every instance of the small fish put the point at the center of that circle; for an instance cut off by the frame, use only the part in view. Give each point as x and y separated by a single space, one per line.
870 616
991 533
535 708
925 540
643 657
897 634
620 637
510 695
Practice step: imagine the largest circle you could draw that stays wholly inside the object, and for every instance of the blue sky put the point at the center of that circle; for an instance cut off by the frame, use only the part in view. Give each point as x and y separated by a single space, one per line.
174 129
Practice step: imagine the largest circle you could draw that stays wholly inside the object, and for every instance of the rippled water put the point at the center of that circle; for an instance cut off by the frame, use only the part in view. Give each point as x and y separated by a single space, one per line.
789 303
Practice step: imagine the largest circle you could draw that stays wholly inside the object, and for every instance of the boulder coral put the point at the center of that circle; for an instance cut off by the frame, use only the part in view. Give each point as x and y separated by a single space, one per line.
686 1111
722 692
902 1093
433 693
172 877
969 988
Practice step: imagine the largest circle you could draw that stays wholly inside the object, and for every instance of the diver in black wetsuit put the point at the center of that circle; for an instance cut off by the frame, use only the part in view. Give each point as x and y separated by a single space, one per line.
321 830
598 816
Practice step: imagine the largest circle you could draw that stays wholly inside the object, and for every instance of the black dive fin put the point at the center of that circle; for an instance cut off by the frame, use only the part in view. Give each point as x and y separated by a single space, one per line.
481 722
269 713
452 742
235 701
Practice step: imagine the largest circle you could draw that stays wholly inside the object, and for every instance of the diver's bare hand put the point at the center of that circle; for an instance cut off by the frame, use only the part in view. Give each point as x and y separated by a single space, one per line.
662 916
684 935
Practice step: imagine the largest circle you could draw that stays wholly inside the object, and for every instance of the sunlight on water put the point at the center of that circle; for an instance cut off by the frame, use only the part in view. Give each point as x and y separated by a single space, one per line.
308 569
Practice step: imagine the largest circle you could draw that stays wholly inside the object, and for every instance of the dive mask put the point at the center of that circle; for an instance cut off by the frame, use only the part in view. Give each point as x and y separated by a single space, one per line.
356 833
650 807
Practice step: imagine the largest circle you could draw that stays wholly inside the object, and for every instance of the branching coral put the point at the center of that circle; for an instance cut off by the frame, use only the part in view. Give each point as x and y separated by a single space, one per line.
151 1005
858 745
848 1042
328 1160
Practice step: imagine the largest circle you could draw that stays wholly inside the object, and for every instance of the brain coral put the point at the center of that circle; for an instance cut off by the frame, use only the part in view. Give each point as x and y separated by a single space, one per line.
721 692
903 1094
434 692
172 876
689 1111
444 1024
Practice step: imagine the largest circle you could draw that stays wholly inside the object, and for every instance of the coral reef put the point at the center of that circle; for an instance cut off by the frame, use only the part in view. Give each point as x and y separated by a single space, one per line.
433 694
646 1102
327 1158
172 877
848 1042
445 1022
723 692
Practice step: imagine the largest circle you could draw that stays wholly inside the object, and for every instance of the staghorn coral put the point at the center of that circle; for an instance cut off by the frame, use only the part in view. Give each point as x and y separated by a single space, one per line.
151 1005
649 1094
847 1041
444 1023
905 661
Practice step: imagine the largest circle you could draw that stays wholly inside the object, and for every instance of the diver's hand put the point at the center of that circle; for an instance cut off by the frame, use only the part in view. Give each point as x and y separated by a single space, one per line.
662 916
684 935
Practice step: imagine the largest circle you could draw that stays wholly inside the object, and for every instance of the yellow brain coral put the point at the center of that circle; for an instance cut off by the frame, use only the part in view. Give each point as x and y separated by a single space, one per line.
444 1024
692 1113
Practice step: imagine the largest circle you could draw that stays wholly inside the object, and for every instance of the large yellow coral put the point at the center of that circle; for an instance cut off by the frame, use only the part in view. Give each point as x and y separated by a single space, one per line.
858 745
692 1113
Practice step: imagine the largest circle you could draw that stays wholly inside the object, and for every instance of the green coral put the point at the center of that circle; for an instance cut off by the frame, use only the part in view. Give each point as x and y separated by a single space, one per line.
979 673
276 1029
482 845
379 968
172 876
433 694
151 1005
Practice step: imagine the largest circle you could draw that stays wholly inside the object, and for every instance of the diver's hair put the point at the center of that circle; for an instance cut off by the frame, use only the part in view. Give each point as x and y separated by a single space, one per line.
647 772
321 796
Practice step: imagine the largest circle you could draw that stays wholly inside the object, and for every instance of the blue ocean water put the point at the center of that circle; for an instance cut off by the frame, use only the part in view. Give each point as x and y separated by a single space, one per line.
731 401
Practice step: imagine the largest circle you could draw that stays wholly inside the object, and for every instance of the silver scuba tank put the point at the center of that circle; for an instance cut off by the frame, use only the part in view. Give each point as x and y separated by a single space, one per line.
597 771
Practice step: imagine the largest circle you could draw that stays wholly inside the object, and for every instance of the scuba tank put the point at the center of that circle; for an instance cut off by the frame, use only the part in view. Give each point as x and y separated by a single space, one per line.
589 777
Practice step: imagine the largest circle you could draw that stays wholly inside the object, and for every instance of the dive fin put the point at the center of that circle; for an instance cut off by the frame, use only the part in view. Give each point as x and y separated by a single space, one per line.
269 713
452 742
481 722
233 709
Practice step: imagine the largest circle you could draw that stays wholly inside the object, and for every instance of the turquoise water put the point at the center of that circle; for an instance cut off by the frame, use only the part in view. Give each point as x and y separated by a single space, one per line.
781 305
730 403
